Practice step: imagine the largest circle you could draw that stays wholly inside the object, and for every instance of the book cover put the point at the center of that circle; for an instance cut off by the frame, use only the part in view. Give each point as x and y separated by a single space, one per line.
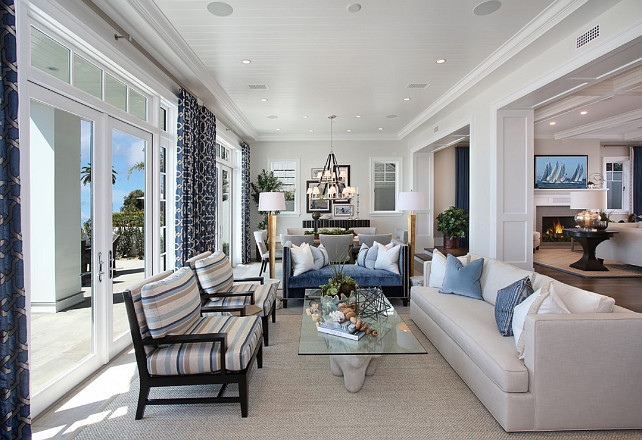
339 329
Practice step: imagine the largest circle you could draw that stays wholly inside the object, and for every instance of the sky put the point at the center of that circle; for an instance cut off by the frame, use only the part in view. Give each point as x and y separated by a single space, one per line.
127 150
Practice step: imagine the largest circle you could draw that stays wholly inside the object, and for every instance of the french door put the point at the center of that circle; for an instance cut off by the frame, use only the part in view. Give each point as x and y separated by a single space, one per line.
90 204
224 211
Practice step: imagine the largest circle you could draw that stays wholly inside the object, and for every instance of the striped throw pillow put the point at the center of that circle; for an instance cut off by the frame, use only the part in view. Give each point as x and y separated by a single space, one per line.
507 298
215 273
172 305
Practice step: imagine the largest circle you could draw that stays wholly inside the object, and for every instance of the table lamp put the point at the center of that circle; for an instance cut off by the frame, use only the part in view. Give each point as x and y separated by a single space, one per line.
588 199
411 201
271 202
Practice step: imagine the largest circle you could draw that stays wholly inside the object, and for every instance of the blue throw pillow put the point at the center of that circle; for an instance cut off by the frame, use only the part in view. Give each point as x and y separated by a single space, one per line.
371 257
361 258
507 299
463 280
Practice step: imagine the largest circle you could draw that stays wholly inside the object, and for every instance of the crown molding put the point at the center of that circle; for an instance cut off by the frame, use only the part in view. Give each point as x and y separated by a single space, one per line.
620 119
541 24
284 137
633 135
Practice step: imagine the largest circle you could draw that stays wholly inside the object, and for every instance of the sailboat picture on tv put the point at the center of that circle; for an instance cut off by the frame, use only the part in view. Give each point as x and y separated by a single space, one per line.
560 171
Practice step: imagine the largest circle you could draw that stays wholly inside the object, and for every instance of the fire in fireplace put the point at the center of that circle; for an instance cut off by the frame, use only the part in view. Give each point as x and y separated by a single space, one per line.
553 228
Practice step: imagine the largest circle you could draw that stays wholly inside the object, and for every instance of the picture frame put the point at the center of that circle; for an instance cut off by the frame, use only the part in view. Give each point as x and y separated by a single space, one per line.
315 205
314 172
561 171
345 168
343 210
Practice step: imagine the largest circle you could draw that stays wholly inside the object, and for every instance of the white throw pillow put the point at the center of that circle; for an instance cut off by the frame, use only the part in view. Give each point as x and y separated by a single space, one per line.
302 258
543 301
387 258
438 268
582 301
320 255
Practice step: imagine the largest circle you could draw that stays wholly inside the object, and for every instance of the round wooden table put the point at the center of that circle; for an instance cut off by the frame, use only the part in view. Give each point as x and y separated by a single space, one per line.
589 240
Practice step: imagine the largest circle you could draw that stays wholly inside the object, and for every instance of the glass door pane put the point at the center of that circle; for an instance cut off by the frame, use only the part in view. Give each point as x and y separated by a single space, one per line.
61 237
128 220
224 212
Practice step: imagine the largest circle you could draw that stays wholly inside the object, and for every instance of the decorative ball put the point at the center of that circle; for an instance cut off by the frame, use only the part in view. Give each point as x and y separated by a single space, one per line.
587 219
316 215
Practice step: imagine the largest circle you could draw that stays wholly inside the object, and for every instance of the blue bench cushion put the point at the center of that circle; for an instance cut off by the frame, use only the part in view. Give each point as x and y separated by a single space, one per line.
363 276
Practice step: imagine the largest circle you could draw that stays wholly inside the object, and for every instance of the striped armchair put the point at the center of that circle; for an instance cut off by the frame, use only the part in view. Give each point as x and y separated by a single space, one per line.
219 288
176 346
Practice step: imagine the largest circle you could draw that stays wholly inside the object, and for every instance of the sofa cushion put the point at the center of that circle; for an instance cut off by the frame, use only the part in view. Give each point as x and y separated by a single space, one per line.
507 299
215 273
471 326
438 268
497 275
264 296
387 258
582 301
302 258
320 255
463 280
371 256
539 280
361 258
363 276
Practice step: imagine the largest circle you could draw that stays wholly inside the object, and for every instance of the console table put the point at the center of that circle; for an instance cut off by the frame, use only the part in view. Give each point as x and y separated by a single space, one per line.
332 223
589 241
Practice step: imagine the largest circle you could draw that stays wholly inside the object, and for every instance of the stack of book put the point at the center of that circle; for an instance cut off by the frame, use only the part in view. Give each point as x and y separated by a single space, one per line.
340 329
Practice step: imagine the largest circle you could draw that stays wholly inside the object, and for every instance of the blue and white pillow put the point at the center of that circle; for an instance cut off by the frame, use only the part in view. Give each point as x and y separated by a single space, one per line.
507 298
463 280
320 255
361 258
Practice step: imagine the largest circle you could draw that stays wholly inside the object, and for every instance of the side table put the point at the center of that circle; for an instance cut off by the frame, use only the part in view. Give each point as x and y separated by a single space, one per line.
589 241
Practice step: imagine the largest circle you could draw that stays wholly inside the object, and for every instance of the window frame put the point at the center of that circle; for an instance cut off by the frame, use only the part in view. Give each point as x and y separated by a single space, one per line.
398 161
626 180
297 185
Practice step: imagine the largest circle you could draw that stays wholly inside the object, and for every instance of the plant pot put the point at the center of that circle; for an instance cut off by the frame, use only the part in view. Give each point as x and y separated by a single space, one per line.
451 242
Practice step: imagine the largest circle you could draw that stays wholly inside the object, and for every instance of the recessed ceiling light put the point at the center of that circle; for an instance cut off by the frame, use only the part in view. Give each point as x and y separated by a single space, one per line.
273 117
354 7
264 100
440 61
357 116
310 131
380 128
583 112
305 116
246 61
348 130
486 8
552 123
278 129
406 98
391 116
220 9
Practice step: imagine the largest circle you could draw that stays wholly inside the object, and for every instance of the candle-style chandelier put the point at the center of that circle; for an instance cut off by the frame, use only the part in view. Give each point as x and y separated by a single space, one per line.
332 180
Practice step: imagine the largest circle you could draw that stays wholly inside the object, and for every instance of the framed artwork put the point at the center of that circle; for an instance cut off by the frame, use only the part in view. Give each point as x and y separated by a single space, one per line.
345 168
315 205
554 171
314 172
343 210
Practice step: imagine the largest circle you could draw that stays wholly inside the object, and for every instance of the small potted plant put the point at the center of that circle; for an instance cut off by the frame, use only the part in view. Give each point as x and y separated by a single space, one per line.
453 224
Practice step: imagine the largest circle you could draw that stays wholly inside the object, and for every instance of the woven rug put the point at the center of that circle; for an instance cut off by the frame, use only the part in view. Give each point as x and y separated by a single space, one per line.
296 397
560 259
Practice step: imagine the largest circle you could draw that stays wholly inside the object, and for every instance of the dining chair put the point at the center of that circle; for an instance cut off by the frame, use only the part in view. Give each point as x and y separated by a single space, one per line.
339 247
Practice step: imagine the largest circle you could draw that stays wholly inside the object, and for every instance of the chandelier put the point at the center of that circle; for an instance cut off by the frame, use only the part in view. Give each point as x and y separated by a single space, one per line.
332 180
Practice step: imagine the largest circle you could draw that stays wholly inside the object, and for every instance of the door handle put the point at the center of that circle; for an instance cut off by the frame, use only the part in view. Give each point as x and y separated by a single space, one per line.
111 264
101 272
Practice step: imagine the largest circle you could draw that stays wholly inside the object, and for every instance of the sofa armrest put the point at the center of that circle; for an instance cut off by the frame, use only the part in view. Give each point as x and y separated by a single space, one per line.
427 265
585 370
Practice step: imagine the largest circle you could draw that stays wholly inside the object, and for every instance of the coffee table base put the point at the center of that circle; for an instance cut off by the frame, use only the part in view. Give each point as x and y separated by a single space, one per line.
354 369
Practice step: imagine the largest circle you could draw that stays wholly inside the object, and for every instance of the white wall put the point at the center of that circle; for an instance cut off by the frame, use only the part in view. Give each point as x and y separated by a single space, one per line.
313 154
591 147
444 184
541 62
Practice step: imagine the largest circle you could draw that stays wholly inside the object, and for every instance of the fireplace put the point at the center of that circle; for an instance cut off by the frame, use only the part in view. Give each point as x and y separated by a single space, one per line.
553 228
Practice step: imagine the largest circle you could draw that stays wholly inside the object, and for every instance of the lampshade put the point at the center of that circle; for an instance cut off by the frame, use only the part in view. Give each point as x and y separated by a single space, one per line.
588 199
411 201
271 201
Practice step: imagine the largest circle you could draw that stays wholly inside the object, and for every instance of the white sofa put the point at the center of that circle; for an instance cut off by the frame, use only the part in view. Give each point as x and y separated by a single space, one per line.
623 247
579 371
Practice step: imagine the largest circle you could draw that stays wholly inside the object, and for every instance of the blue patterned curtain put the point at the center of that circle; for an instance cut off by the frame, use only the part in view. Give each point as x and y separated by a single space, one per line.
195 179
462 183
246 247
14 376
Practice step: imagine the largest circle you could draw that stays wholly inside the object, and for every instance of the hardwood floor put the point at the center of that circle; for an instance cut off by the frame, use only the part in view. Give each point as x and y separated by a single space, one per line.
627 292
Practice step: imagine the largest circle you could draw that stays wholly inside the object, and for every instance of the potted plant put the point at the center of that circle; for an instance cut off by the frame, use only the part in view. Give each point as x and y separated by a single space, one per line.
339 285
453 224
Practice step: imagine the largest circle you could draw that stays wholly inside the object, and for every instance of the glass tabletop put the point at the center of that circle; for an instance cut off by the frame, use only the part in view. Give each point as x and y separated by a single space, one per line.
394 335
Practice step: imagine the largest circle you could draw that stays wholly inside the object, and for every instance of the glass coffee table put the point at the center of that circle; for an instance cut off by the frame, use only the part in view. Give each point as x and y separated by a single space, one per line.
354 360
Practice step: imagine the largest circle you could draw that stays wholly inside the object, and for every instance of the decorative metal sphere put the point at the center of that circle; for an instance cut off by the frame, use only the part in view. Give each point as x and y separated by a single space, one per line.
587 219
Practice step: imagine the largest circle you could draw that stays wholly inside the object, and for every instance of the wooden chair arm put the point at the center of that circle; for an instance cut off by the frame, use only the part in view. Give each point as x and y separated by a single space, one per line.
186 339
207 309
261 279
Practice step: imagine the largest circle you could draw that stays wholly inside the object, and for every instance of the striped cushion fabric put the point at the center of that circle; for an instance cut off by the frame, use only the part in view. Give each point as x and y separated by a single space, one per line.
171 305
507 299
215 273
138 305
264 296
192 261
243 335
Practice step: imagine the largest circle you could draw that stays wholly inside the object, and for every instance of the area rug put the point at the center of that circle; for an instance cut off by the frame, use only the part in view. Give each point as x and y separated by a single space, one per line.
560 259
296 397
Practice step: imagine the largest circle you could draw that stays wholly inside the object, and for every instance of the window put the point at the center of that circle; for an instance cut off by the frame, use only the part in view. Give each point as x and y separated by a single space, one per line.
287 171
616 180
163 207
385 175
223 153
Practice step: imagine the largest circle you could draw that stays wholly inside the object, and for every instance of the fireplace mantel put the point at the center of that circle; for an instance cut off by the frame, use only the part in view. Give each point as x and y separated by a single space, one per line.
554 197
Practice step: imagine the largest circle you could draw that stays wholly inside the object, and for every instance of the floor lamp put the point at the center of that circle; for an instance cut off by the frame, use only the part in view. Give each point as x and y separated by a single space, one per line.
411 201
271 202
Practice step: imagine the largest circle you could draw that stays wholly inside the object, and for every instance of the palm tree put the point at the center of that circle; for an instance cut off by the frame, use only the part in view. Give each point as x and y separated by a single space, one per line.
85 174
139 166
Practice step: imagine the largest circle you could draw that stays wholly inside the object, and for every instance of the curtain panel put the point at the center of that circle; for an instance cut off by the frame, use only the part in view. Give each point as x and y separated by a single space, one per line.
462 183
246 247
195 179
14 367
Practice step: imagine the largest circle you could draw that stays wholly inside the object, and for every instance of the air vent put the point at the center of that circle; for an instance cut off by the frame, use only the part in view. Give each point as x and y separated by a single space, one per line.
588 36
257 87
436 129
417 86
